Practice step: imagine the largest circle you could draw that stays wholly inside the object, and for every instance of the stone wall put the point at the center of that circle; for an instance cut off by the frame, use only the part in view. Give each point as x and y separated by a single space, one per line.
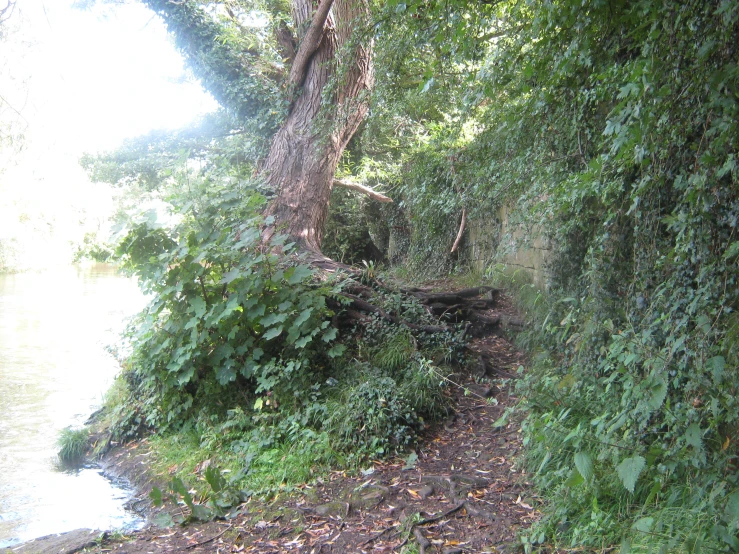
497 239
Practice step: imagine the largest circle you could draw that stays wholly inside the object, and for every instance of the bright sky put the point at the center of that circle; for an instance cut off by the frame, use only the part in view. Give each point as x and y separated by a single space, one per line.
98 76
82 81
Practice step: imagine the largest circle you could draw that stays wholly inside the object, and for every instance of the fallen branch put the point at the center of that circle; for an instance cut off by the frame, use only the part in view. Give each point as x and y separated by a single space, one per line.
372 193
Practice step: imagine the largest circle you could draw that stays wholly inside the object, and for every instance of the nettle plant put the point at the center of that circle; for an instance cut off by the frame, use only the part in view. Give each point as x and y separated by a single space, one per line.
231 322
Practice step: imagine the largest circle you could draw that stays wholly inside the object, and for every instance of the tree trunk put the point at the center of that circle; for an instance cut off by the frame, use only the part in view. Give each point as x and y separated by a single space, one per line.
305 152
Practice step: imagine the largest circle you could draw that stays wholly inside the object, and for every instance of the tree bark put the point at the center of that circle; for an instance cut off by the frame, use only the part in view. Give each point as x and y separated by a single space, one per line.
306 150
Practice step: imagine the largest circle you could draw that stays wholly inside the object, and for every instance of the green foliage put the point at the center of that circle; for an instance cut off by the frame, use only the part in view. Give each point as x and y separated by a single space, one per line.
73 444
208 336
346 236
610 130
607 128
92 248
219 501
236 350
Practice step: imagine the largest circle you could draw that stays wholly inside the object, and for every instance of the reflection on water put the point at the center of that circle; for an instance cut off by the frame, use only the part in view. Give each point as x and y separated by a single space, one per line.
54 369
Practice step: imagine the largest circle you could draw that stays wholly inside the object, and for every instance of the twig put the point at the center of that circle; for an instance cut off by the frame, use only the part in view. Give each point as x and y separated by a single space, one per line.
377 536
442 515
206 541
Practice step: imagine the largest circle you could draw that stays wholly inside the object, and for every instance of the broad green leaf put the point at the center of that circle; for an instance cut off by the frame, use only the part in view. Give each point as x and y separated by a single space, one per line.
717 365
225 374
731 512
178 487
303 317
222 352
230 276
197 306
643 524
584 464
214 478
629 470
271 319
156 496
694 436
575 480
658 393
732 250
301 272
303 341
502 421
201 513
162 519
274 332
330 334
336 351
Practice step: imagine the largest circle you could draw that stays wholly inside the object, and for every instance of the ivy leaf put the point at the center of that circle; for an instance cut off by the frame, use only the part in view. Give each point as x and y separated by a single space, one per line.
629 470
273 332
584 464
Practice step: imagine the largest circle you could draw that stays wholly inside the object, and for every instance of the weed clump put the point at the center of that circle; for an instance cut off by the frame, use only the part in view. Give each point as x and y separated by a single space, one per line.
73 444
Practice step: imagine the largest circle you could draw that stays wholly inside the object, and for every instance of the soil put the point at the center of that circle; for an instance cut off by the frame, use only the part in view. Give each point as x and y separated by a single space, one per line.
461 491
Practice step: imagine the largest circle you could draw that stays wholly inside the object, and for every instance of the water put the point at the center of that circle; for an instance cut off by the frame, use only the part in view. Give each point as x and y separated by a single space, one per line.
54 370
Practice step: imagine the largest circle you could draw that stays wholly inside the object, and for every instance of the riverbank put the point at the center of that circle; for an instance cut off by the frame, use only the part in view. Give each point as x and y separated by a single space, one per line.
462 492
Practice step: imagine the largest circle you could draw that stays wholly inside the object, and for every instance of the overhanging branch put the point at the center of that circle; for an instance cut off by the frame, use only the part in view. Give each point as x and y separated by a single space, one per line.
372 193
309 44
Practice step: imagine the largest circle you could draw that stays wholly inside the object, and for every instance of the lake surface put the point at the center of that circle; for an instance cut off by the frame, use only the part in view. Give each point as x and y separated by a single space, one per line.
54 370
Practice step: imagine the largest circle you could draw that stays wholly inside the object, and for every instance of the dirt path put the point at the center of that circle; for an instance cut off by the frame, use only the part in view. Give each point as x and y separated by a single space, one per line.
463 492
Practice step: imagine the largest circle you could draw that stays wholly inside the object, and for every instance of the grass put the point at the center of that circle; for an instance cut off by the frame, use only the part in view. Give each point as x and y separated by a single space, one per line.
264 473
73 444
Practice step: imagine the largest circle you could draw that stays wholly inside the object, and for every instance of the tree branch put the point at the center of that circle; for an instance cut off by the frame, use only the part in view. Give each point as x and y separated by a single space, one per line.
364 190
461 231
309 44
